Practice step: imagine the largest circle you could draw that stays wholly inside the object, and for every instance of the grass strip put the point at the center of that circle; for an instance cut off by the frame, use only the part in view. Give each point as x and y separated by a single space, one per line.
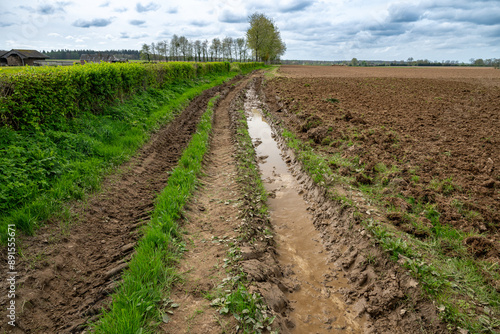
464 289
152 270
233 296
40 170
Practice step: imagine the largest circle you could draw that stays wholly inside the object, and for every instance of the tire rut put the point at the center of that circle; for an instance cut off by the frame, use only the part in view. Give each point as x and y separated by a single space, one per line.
66 276
212 219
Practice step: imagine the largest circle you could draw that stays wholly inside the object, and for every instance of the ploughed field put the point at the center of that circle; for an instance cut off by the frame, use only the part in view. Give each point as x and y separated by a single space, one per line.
416 150
440 135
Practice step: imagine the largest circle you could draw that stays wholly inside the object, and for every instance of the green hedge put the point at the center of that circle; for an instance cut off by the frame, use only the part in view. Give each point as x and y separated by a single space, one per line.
37 96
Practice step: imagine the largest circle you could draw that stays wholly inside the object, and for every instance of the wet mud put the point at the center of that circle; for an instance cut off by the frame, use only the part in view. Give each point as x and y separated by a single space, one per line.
316 305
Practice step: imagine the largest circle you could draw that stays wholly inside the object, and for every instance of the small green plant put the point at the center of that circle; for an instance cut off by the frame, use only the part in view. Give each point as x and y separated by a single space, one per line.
332 100
248 308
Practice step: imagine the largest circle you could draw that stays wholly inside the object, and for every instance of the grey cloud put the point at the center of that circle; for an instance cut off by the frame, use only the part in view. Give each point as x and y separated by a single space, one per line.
404 13
106 4
172 10
5 24
92 23
137 22
47 9
200 23
149 7
121 10
296 6
229 17
125 35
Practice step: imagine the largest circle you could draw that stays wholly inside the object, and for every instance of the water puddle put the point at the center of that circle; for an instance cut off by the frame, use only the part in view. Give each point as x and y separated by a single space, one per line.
317 306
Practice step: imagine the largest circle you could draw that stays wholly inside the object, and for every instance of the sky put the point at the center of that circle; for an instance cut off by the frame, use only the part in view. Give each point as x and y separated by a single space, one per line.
312 30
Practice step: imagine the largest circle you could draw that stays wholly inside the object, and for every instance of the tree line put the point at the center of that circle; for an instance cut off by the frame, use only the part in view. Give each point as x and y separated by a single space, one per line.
76 54
262 43
181 48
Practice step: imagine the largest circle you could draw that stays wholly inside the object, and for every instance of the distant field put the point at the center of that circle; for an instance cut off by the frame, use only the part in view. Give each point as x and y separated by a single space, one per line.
485 74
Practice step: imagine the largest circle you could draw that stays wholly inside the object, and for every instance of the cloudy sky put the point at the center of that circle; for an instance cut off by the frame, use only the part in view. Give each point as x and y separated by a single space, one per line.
316 30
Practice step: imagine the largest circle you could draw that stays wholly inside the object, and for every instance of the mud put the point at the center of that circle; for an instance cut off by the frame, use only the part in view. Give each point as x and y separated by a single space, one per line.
316 305
66 274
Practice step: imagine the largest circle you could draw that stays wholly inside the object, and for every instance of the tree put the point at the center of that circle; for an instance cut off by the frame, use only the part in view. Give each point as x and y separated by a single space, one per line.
197 50
204 47
227 44
263 37
145 52
242 48
174 47
354 62
216 47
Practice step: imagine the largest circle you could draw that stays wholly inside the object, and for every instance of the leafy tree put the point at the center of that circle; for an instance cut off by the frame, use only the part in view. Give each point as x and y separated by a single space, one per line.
145 52
263 37
354 62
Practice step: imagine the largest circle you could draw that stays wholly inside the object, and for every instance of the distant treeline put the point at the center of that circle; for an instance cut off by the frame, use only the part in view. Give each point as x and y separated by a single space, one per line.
493 62
76 54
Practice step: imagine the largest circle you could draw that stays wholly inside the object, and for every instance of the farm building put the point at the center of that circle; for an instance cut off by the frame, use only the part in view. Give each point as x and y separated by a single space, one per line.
99 57
3 61
16 57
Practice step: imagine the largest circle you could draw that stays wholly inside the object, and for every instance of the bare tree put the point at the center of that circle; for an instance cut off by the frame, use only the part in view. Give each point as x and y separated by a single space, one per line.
242 48
204 47
174 47
198 48
184 47
216 45
227 45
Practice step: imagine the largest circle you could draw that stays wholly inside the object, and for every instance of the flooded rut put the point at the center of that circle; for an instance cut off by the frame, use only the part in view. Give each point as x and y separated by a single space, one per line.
317 305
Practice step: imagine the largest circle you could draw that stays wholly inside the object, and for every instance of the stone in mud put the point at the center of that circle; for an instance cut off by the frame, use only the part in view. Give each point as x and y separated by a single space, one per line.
273 296
256 270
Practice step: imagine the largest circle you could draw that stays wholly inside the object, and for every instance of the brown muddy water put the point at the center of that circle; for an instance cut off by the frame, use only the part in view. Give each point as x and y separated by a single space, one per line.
317 305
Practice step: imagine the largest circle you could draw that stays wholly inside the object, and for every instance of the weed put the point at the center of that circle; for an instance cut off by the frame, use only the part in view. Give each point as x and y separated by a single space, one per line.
332 100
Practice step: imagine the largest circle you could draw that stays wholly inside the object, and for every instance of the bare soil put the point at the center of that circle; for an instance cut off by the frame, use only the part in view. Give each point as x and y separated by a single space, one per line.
441 127
66 274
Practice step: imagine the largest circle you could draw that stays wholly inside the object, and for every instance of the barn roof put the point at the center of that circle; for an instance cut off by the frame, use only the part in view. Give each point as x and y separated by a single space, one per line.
25 54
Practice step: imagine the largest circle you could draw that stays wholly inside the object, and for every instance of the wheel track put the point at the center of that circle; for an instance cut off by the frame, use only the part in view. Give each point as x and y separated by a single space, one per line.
65 277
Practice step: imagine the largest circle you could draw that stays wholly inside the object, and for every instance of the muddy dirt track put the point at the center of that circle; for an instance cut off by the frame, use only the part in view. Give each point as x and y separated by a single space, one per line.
68 275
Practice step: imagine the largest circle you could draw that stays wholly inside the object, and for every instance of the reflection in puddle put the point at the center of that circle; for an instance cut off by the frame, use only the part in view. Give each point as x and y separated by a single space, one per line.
317 307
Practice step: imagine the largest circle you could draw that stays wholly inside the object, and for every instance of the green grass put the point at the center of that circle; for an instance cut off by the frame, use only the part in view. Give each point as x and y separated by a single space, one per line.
40 170
152 270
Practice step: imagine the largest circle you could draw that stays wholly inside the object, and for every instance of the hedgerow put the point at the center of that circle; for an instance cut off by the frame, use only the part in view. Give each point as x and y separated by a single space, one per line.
63 155
37 96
